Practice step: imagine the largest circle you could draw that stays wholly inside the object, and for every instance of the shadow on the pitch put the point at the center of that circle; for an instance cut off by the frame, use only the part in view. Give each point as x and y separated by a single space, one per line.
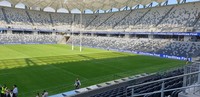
29 62
87 57
59 69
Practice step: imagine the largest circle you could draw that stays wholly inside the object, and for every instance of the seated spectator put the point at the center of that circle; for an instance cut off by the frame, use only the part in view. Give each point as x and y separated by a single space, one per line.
45 93
38 95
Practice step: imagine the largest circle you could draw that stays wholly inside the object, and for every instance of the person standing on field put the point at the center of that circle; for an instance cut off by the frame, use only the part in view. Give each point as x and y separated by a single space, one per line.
77 83
3 91
15 91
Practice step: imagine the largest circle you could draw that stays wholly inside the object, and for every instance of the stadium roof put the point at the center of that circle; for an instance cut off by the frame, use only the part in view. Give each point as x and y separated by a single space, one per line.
82 4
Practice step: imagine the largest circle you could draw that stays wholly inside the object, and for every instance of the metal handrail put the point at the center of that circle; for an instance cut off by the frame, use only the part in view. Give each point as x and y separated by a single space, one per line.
164 79
168 90
162 87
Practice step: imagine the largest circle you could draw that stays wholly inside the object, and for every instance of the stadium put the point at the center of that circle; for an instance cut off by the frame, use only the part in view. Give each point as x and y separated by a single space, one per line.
100 48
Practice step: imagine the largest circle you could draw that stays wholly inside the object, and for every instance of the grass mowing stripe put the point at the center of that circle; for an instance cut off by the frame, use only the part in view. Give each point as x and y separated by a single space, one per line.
66 71
55 67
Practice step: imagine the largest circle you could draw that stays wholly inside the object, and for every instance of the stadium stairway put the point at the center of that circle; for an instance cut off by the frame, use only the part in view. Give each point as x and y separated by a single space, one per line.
105 20
29 17
142 16
122 19
164 16
194 92
91 21
4 14
51 20
196 20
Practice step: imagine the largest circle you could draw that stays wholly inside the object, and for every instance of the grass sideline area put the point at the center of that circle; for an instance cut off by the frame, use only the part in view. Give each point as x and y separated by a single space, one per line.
34 68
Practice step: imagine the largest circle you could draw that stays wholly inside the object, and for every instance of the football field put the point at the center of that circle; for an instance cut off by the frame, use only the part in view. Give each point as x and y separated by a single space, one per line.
34 68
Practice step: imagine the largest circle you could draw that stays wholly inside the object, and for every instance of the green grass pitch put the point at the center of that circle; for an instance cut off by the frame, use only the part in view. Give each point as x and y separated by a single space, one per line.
54 68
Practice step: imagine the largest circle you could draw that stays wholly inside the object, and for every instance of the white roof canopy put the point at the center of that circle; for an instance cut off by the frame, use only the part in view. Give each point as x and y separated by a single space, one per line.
82 4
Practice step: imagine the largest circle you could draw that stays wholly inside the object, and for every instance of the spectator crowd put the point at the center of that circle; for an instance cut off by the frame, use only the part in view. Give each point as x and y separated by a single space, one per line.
8 92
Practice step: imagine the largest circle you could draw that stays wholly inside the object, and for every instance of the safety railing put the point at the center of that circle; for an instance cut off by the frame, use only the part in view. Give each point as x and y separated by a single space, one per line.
163 90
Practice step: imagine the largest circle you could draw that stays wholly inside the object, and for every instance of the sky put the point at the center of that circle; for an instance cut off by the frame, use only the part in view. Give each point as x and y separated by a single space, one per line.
62 10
